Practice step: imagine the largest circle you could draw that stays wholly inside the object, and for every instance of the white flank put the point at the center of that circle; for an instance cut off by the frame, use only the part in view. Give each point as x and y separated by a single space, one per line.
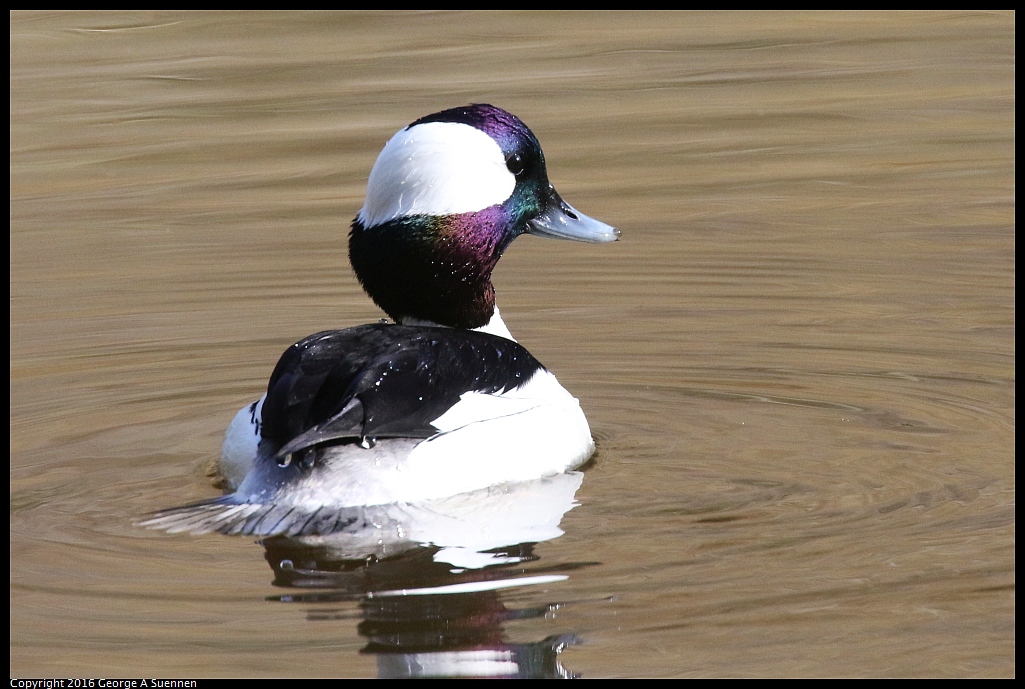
238 451
437 168
542 390
535 430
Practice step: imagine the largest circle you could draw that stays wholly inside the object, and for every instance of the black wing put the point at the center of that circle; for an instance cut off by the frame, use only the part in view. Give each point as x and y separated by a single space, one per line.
382 381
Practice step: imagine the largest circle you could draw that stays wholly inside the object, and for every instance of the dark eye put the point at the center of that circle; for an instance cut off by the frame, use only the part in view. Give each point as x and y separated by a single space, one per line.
515 164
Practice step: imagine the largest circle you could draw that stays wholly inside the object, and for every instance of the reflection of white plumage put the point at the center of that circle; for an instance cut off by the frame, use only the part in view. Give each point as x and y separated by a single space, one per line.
442 402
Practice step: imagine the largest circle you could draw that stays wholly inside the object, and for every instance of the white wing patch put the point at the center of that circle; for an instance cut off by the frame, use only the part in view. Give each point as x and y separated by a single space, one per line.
437 168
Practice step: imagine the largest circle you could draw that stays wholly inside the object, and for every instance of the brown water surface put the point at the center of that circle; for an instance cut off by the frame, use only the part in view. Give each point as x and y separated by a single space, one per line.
798 363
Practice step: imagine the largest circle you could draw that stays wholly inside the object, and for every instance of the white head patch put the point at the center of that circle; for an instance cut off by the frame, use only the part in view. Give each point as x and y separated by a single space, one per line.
436 168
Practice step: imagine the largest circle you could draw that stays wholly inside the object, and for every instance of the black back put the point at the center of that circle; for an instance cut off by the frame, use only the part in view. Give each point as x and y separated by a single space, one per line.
382 381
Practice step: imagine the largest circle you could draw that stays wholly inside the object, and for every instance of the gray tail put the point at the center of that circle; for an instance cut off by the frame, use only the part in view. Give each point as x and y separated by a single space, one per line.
227 516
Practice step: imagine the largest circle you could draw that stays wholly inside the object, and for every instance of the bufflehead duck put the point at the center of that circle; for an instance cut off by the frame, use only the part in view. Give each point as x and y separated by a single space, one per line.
443 401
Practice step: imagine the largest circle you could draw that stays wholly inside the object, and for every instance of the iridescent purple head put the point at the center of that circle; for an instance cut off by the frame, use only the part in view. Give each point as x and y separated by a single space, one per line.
445 198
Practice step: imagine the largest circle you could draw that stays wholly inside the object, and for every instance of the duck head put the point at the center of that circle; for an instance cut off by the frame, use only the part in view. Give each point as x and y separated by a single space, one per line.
445 198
